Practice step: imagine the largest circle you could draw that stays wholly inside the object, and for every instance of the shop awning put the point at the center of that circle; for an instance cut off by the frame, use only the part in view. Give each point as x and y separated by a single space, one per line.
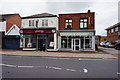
76 33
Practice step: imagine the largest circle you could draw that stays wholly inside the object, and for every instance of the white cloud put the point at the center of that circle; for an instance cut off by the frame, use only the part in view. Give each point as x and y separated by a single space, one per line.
106 12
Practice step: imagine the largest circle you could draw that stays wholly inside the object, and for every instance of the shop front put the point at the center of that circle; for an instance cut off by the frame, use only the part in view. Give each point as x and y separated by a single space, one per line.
40 39
76 41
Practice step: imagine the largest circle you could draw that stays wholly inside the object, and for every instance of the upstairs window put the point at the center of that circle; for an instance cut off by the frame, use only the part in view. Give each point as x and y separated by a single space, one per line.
116 29
44 22
112 31
83 23
31 22
68 23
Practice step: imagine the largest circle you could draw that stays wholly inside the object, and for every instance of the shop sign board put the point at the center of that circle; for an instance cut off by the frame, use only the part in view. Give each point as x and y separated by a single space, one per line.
38 31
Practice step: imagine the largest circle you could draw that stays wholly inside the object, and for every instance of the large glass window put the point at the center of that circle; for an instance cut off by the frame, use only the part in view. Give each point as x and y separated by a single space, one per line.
83 23
82 42
68 23
30 41
69 43
88 43
50 40
65 42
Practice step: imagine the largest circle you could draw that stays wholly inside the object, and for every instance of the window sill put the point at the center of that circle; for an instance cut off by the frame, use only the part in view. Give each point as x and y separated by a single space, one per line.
83 28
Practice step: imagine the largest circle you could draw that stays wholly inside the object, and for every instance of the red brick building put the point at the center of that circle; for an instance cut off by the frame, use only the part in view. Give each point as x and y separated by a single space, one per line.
103 39
99 39
76 32
10 24
113 32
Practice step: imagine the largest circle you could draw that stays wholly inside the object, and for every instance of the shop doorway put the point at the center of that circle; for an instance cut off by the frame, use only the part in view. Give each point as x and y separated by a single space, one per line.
42 43
75 44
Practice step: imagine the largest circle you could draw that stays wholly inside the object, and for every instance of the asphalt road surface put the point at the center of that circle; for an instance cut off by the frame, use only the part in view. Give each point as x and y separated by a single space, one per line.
46 67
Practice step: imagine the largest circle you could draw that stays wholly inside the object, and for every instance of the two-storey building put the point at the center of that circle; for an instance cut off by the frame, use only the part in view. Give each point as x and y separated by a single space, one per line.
39 32
76 32
113 33
10 24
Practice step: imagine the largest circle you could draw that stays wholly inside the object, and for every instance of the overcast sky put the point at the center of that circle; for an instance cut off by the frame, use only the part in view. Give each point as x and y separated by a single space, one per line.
106 11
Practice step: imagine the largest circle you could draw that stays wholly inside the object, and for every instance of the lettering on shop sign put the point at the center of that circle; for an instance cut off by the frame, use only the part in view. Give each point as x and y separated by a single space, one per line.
39 31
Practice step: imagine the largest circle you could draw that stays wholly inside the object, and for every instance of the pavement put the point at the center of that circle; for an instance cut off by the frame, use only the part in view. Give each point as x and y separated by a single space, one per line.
110 50
91 55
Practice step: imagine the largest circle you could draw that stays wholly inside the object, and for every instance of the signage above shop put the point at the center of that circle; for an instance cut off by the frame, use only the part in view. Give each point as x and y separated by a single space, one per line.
38 31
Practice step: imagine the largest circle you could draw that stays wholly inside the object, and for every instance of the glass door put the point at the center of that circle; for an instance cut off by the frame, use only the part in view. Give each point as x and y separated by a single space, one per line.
76 44
42 42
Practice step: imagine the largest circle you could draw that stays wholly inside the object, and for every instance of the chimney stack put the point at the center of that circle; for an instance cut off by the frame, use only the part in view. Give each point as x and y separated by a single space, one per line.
88 11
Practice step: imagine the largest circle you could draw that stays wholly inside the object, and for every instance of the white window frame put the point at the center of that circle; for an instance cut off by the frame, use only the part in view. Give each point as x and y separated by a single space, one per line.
45 22
83 21
68 22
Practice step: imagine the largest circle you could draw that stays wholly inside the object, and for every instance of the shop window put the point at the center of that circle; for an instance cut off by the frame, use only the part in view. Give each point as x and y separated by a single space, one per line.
44 22
50 40
68 23
83 23
69 43
88 43
82 42
116 29
66 42
30 41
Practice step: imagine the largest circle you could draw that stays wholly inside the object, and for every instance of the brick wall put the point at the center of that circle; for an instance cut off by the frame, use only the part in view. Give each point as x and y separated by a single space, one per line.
112 37
13 20
76 20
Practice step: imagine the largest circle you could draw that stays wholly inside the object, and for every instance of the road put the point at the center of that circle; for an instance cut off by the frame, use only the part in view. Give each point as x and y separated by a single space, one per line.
110 50
46 67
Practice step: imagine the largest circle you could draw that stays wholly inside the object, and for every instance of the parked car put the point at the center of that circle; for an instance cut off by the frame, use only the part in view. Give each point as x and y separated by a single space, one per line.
117 45
102 44
109 45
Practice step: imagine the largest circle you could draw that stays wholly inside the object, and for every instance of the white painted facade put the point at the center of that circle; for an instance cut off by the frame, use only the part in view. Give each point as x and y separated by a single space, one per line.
52 23
3 26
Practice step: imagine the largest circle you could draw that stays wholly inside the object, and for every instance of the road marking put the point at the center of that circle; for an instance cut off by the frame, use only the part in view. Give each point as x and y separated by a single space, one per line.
26 66
8 65
118 73
56 68
70 69
85 70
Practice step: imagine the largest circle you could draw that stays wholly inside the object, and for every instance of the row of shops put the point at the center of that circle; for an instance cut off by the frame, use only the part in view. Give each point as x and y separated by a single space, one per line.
48 32
52 40
68 32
